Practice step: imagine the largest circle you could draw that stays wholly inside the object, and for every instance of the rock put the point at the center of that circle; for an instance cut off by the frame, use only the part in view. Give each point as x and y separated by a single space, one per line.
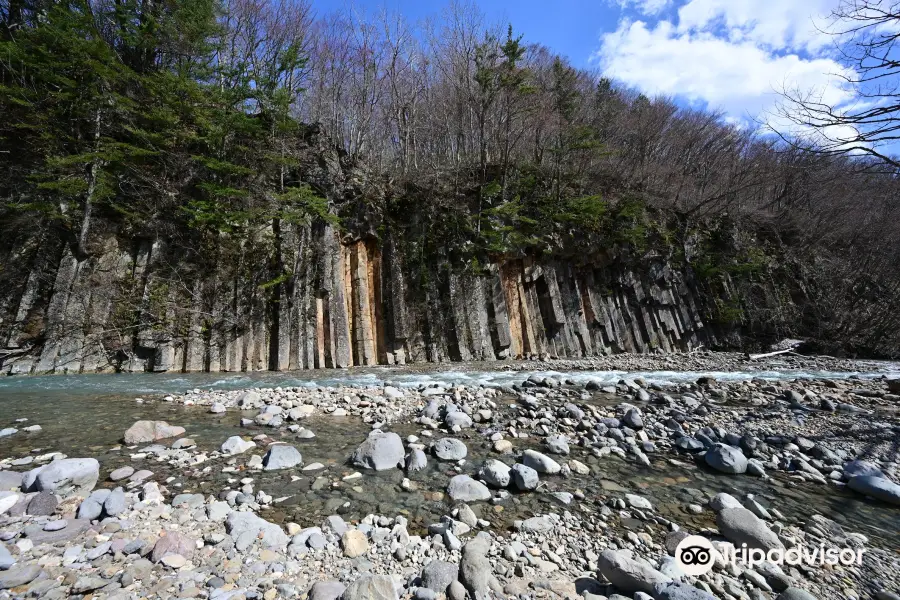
857 468
371 587
354 543
10 480
682 591
524 478
416 460
236 445
557 444
6 559
43 504
115 503
879 488
629 575
450 449
633 419
246 529
458 419
495 473
726 459
540 462
722 501
174 542
541 524
8 500
503 447
793 593
8 432
66 476
326 590
438 575
17 576
740 526
457 591
281 456
380 451
689 444
151 431
217 408
475 571
463 488
635 501
176 561
121 473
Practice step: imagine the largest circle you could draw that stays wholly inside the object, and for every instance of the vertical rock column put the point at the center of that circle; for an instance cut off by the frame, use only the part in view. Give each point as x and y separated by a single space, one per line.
362 309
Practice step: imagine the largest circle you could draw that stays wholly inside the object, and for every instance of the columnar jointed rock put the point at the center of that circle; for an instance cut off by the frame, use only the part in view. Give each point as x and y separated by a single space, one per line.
151 431
380 451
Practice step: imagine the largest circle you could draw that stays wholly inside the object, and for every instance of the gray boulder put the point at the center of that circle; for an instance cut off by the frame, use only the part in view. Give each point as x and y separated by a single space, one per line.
629 575
450 449
281 456
115 503
327 590
174 542
43 504
6 559
458 419
17 576
236 445
151 431
859 468
463 488
371 587
879 488
740 526
380 451
633 418
247 529
495 473
438 575
793 593
524 478
66 476
557 444
475 571
726 459
540 462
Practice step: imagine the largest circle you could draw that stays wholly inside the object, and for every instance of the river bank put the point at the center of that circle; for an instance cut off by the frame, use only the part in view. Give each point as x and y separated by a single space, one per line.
532 479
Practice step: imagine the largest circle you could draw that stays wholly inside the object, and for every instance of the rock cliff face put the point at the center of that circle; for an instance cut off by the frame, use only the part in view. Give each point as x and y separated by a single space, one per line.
143 305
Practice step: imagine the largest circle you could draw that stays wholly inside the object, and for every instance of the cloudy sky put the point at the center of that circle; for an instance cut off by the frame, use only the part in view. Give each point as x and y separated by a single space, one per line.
727 54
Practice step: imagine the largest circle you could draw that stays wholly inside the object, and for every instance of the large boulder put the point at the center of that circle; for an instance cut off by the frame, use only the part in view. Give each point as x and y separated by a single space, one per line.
475 570
879 488
151 431
495 473
10 480
372 587
794 593
525 478
450 449
726 459
463 488
438 575
247 529
540 462
740 526
380 451
236 445
327 590
64 477
629 575
859 468
281 456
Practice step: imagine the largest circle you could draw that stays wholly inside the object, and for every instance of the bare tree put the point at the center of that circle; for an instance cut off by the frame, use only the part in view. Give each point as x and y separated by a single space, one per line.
865 33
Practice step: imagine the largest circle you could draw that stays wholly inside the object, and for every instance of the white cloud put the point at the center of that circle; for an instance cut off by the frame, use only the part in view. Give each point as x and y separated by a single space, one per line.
731 54
645 7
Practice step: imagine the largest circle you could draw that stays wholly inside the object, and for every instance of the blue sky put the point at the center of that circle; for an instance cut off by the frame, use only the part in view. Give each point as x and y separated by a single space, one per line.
732 55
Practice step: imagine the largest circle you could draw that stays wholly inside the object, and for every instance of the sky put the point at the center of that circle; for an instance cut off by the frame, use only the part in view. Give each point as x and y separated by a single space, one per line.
730 55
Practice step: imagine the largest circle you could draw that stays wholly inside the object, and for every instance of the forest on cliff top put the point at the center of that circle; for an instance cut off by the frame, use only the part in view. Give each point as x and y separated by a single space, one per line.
203 121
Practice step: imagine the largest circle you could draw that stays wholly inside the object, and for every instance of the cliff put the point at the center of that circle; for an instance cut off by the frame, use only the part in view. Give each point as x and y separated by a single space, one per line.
143 305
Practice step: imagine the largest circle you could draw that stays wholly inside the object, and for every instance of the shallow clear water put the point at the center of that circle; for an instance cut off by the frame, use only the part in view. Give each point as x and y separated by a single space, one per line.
87 415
